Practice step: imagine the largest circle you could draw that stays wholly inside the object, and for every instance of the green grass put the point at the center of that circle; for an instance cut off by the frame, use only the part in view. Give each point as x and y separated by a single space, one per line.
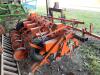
86 16
82 15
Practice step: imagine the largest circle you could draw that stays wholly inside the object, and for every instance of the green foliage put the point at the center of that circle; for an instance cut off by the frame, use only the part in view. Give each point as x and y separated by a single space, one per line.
4 9
16 9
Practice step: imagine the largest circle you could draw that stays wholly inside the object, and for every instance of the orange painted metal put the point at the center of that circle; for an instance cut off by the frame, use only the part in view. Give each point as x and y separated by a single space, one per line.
15 45
66 20
54 47
32 16
53 50
48 44
65 49
20 54
2 30
27 22
35 46
57 32
35 30
86 32
76 42
58 36
91 28
32 25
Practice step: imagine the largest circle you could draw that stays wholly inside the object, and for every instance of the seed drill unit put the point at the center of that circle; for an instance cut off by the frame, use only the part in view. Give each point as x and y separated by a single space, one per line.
43 41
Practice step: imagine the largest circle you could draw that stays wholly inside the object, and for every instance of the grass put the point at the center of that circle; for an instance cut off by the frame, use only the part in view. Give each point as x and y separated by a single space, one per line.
82 15
86 16
91 57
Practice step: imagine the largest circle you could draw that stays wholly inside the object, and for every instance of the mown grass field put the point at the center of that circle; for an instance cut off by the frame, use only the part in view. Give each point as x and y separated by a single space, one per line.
82 15
86 16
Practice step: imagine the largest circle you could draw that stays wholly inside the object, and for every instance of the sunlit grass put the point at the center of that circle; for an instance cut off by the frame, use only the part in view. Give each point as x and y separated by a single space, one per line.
86 16
82 15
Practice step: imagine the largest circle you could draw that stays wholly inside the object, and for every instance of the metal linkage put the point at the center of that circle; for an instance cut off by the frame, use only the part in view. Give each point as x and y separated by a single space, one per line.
8 65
